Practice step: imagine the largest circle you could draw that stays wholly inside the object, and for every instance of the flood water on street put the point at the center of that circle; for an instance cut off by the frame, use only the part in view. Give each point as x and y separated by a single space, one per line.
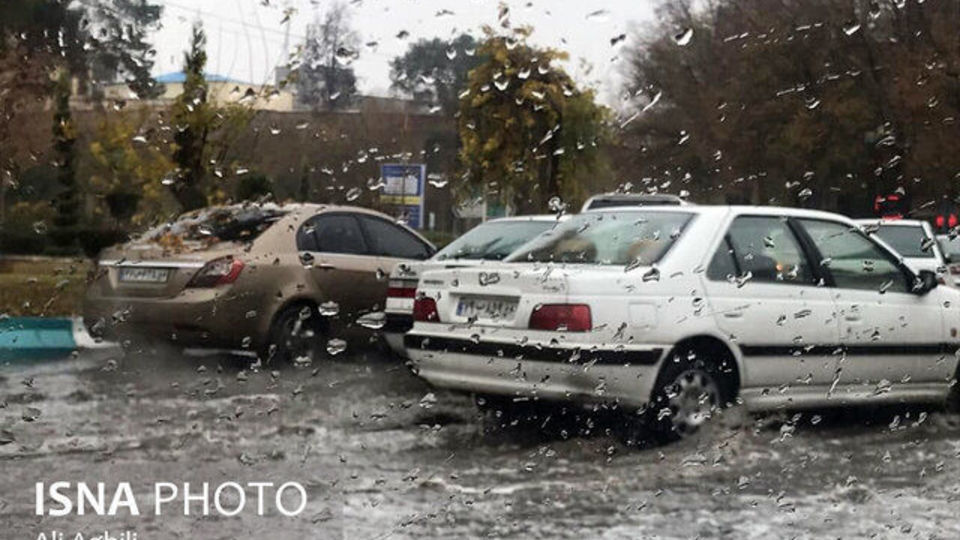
384 456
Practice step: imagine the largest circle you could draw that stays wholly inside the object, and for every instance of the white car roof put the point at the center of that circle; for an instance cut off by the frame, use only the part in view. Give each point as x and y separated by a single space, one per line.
533 217
891 222
722 210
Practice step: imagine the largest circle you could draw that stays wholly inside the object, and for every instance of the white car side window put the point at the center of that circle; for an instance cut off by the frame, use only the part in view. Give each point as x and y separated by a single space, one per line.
761 249
855 261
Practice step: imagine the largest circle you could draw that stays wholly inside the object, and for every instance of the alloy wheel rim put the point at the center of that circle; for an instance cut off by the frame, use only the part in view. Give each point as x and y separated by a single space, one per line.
692 398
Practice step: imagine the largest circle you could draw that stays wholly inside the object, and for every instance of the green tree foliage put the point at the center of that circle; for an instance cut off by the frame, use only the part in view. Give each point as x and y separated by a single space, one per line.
43 30
324 78
64 145
435 71
105 37
252 187
127 170
204 132
528 133
824 103
192 117
37 38
116 36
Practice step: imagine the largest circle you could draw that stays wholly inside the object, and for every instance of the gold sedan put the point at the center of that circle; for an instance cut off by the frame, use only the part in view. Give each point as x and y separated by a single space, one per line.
264 278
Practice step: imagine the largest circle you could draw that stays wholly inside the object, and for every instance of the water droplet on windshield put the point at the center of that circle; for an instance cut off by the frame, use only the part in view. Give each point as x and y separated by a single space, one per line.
428 400
306 259
599 15
336 346
437 180
329 309
374 184
373 321
851 28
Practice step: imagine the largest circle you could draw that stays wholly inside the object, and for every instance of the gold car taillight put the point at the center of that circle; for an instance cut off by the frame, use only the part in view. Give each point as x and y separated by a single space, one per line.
222 271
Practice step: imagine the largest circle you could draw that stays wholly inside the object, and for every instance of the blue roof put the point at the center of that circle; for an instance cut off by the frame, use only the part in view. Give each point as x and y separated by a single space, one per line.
179 77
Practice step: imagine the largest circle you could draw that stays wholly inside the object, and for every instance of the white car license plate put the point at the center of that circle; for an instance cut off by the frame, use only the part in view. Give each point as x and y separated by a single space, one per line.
487 307
144 275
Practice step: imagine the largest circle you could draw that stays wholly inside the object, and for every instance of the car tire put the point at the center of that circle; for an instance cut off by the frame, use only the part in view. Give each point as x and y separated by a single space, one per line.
692 386
952 403
295 335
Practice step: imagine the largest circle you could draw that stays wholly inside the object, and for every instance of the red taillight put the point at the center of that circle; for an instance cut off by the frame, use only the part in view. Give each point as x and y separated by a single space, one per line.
402 288
952 221
562 317
222 271
401 292
425 309
940 221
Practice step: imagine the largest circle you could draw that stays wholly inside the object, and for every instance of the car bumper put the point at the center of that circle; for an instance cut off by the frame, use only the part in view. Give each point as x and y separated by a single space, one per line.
195 318
624 376
397 324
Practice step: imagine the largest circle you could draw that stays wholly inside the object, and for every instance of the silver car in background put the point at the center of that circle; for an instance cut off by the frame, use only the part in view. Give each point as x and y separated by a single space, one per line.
950 247
913 239
490 241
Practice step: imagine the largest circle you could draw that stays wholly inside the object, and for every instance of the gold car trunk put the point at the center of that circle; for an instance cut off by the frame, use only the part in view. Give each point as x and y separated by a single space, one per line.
147 270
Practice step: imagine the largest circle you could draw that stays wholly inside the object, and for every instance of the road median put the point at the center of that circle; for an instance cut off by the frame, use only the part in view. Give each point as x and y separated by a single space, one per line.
43 338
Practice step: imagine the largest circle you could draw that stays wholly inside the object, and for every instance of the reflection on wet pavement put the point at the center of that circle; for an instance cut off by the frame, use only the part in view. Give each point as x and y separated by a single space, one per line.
382 455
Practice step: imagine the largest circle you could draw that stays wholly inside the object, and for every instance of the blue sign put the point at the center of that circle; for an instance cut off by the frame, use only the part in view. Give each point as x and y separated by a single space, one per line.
404 189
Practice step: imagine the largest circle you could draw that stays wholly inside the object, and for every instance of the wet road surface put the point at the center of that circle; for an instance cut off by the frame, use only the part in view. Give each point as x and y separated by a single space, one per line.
384 456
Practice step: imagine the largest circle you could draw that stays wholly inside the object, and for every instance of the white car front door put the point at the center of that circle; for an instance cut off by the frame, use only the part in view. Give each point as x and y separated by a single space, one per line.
766 297
891 334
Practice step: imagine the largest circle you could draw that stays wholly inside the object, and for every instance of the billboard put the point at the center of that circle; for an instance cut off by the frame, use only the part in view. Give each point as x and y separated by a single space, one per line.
404 190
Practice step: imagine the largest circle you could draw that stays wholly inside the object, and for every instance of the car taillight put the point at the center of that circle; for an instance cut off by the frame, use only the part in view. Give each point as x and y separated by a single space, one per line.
425 309
222 271
562 317
401 289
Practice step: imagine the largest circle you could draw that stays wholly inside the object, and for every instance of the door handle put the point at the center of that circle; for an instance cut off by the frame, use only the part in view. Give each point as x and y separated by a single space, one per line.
853 317
733 314
326 266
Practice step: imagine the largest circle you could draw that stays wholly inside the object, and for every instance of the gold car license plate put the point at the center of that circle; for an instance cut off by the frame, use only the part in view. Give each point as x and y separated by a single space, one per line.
144 275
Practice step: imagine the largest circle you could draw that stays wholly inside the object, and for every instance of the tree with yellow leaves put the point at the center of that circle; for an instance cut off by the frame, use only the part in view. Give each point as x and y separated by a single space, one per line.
128 169
527 132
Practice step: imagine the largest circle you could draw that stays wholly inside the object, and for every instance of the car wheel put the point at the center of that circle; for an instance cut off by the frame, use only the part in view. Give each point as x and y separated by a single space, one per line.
295 336
690 390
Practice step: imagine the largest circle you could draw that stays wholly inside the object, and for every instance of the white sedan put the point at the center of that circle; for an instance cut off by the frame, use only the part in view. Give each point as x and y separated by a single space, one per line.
489 241
672 312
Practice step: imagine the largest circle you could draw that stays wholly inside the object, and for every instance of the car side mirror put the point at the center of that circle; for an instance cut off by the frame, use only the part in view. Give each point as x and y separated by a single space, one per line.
926 282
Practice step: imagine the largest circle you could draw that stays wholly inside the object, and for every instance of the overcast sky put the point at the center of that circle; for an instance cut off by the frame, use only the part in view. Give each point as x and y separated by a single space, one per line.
246 37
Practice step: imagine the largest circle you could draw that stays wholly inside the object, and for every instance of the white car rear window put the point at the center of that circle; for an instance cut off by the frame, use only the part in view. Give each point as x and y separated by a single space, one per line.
608 238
